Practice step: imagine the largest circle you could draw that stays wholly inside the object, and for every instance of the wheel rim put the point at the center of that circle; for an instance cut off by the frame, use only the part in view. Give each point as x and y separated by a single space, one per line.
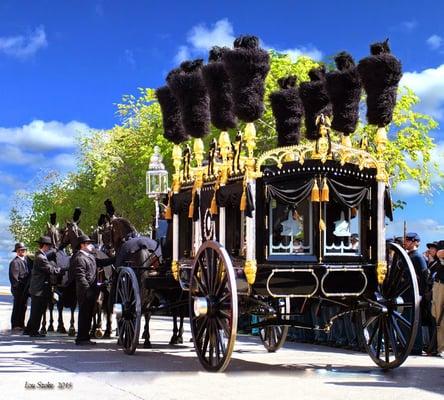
389 329
273 337
213 306
128 302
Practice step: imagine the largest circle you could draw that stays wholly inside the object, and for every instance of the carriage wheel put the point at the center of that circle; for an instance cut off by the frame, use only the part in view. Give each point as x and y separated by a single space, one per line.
128 310
213 306
389 328
273 337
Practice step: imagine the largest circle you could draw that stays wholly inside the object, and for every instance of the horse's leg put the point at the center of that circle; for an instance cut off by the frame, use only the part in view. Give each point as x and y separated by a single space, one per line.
108 329
43 328
180 333
61 325
99 304
72 329
147 343
51 316
173 339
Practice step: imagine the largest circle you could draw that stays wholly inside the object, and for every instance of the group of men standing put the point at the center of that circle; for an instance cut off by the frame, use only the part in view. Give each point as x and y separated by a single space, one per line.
32 279
429 268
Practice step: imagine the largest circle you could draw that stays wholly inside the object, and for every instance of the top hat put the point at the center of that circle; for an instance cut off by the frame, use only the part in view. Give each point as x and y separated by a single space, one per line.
19 246
433 244
83 239
44 240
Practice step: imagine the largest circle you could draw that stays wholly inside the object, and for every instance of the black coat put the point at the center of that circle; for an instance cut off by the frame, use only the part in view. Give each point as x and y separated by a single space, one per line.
84 268
19 274
40 276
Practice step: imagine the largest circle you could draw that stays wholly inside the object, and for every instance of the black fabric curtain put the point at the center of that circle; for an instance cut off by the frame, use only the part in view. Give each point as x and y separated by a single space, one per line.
180 202
229 195
388 205
349 195
291 196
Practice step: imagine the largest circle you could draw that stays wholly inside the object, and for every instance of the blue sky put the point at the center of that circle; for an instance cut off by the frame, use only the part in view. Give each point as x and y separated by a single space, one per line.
64 64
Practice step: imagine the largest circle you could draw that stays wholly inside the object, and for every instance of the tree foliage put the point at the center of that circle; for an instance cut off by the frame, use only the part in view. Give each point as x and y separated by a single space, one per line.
113 163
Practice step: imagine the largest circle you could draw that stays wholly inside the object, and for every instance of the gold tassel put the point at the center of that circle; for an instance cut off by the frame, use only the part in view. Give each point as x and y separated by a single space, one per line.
322 225
243 202
213 208
191 207
168 211
315 192
325 194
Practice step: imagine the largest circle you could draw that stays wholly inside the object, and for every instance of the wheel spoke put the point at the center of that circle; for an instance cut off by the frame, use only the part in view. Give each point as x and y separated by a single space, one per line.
201 328
386 340
379 340
391 337
372 336
405 322
399 332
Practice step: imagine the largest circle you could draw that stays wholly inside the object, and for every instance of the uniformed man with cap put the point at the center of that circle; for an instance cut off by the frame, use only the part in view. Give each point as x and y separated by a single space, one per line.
39 287
438 298
84 266
411 244
19 276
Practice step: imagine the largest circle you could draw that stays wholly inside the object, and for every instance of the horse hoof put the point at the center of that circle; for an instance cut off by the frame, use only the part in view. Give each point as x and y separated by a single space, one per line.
50 328
71 332
107 335
43 331
61 329
179 340
147 345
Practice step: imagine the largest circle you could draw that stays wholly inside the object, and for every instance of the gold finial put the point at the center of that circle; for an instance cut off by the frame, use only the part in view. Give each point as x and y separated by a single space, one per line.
250 138
175 269
323 148
198 150
346 141
381 140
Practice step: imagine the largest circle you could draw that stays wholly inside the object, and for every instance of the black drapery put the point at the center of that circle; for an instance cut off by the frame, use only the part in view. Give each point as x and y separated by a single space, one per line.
229 195
293 194
349 195
388 206
180 202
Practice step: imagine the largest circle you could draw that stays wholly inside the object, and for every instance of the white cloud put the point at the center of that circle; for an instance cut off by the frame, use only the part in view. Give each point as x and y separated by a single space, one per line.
405 26
309 51
24 46
428 228
63 161
434 42
182 54
429 86
202 38
44 136
406 189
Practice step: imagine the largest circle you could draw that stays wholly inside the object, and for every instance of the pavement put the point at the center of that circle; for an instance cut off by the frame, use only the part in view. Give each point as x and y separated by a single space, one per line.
55 368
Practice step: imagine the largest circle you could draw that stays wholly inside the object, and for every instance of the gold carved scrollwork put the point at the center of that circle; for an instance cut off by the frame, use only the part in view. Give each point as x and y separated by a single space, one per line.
250 270
175 269
381 271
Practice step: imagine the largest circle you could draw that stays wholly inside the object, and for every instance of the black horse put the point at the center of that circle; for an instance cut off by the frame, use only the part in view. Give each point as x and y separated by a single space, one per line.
63 290
134 250
105 276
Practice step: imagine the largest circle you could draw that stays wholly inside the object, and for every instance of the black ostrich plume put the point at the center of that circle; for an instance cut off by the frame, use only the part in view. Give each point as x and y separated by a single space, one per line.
380 74
53 218
287 110
76 215
172 123
188 87
110 210
219 88
344 89
314 96
102 220
247 66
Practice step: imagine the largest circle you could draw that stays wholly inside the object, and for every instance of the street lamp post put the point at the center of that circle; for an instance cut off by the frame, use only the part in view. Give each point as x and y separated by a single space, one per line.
156 180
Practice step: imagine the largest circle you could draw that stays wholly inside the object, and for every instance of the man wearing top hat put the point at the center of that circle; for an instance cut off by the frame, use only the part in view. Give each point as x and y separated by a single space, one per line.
39 287
84 265
19 276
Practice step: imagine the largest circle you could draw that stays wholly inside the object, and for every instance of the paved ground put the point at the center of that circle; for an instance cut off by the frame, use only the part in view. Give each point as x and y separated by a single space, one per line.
297 371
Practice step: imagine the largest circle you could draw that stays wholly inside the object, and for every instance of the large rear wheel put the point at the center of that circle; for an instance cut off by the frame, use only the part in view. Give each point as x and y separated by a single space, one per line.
213 306
127 308
390 324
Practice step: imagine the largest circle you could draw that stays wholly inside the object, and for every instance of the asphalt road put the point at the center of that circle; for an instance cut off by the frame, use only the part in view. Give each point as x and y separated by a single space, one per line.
54 368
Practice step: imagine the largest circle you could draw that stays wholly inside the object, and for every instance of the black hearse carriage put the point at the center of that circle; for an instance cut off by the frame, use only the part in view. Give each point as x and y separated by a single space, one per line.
273 234
285 230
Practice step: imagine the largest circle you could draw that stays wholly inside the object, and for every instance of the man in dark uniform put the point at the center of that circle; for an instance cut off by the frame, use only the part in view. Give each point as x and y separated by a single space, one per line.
84 265
411 244
19 276
438 298
39 287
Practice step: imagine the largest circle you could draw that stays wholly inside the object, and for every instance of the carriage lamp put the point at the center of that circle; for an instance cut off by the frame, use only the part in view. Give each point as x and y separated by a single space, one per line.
156 180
